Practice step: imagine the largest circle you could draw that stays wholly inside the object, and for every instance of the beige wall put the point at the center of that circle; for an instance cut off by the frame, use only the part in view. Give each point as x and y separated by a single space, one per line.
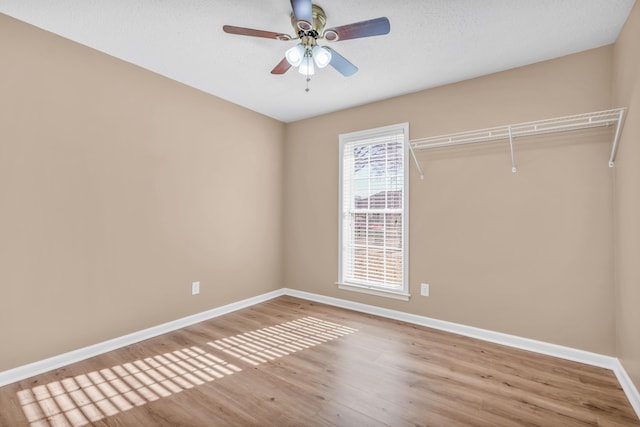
528 254
626 93
118 188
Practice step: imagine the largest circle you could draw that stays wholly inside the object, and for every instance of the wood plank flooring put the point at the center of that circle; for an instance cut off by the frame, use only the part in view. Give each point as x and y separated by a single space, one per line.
291 362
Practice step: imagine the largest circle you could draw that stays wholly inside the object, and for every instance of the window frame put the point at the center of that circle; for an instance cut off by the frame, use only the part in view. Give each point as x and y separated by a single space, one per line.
345 139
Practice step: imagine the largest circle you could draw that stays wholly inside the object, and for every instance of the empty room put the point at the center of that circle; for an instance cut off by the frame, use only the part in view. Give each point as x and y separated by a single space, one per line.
338 213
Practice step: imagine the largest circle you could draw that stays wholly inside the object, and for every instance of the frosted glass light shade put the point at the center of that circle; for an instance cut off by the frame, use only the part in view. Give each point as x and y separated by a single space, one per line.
295 55
321 56
306 66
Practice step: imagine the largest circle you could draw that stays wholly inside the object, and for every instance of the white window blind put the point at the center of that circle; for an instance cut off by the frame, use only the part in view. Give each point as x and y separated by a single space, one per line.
373 202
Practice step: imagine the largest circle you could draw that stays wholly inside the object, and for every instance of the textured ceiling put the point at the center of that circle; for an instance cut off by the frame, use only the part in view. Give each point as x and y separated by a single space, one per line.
432 42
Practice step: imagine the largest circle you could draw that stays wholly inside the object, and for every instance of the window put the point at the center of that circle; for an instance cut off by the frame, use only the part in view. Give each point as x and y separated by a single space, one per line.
373 211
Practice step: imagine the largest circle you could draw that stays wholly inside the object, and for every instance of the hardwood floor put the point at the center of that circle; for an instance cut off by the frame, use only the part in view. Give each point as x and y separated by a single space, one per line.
290 362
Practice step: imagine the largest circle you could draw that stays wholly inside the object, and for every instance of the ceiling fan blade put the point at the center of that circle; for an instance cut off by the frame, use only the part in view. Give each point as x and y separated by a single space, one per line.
342 64
302 10
372 27
241 31
282 67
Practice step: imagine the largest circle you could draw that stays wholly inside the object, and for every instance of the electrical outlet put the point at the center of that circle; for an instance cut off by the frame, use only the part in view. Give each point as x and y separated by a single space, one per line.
195 288
424 289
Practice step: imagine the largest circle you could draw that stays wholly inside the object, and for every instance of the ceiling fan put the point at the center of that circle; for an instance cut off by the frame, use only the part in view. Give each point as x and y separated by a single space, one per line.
308 21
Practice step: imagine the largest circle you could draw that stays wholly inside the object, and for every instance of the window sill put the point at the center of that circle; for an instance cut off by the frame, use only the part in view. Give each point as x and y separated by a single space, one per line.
374 291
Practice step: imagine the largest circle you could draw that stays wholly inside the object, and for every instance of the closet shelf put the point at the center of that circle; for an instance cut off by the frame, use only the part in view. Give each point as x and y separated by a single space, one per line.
510 132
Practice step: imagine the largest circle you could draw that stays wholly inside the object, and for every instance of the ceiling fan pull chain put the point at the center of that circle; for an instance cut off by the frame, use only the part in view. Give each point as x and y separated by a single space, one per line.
309 68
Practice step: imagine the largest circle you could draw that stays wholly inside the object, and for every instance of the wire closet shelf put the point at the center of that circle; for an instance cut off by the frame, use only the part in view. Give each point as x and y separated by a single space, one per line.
510 132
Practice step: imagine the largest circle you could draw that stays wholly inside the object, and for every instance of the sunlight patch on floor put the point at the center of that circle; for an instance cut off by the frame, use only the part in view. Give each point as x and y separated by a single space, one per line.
263 345
86 398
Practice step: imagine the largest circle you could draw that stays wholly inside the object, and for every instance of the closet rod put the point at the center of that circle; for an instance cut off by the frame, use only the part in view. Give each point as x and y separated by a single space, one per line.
539 127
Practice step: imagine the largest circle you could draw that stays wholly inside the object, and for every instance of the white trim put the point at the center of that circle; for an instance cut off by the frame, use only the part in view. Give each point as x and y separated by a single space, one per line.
402 296
405 207
541 347
55 362
627 385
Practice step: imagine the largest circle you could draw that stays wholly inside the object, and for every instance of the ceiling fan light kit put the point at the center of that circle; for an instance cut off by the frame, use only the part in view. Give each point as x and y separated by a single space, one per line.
308 21
300 56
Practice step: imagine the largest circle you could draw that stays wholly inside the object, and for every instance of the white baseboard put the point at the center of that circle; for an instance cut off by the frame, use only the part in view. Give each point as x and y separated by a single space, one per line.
627 385
568 353
46 365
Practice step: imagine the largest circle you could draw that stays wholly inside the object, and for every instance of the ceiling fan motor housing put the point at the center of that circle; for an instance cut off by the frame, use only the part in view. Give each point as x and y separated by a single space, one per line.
304 28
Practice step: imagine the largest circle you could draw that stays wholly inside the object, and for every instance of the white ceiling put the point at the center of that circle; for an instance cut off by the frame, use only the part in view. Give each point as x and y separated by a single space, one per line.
432 43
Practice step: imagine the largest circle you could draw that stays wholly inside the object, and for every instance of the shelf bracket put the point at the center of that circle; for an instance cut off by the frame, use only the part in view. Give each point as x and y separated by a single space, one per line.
616 138
513 160
415 159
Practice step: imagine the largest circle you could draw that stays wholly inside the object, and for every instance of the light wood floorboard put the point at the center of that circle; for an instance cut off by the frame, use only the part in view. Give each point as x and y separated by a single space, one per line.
291 362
